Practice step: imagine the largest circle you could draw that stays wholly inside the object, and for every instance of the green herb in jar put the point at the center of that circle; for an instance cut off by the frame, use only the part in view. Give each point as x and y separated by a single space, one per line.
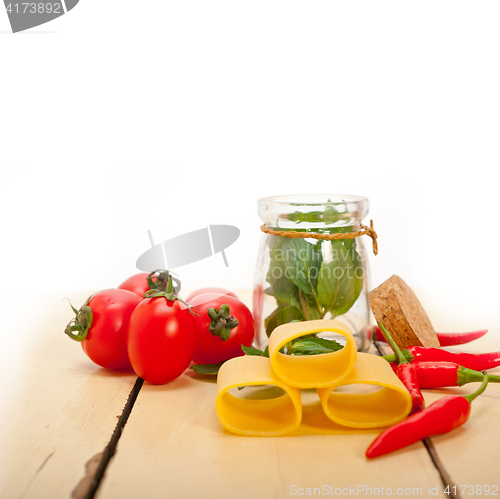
310 281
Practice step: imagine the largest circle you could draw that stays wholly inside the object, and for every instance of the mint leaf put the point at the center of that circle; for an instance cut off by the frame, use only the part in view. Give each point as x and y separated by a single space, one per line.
207 369
310 217
340 280
282 316
329 216
315 346
301 262
293 276
284 291
357 285
276 266
252 351
312 308
255 351
281 287
309 280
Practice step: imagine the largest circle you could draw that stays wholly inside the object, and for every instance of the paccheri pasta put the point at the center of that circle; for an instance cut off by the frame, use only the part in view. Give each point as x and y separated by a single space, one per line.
336 377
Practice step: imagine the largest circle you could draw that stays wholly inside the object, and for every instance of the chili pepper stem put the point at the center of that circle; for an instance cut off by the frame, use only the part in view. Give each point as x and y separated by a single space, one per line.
393 357
465 375
401 359
480 390
493 378
406 373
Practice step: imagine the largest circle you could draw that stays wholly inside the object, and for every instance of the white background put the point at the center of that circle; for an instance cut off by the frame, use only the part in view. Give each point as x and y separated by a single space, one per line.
125 116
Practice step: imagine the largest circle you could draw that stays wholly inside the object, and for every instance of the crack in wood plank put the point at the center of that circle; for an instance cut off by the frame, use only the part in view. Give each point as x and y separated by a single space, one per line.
445 476
81 491
96 466
380 353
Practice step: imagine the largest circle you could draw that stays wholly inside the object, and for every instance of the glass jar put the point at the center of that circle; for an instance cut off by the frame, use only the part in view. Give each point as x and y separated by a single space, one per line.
301 278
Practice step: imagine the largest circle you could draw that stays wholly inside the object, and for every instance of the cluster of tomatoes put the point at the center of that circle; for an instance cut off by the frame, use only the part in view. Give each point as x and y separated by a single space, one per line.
146 326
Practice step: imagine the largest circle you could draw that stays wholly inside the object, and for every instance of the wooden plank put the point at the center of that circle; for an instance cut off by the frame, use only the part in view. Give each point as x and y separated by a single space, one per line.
174 442
58 408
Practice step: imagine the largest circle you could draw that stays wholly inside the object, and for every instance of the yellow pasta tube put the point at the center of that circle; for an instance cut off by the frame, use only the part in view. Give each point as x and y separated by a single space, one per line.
385 406
266 417
311 371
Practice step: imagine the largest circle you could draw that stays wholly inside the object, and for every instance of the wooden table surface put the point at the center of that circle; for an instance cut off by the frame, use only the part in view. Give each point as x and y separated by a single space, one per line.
63 418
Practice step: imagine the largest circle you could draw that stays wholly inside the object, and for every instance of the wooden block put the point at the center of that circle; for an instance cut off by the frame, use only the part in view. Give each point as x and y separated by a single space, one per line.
396 305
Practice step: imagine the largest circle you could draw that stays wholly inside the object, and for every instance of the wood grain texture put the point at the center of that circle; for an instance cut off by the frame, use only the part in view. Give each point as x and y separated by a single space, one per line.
175 443
58 408
397 307
59 411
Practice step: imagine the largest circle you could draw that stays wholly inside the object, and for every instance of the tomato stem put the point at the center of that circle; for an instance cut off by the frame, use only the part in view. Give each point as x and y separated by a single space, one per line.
161 281
169 294
221 322
81 322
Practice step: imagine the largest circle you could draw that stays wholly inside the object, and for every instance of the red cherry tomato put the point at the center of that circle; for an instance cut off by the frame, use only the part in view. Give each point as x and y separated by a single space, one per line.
106 340
137 284
161 339
212 349
202 291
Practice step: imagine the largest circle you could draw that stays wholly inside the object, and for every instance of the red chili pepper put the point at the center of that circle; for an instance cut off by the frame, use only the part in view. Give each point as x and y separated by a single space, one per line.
445 339
476 361
440 417
406 373
450 339
443 374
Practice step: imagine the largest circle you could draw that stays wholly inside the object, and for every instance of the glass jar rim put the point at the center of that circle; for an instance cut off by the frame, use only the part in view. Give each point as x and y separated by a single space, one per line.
312 199
320 210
